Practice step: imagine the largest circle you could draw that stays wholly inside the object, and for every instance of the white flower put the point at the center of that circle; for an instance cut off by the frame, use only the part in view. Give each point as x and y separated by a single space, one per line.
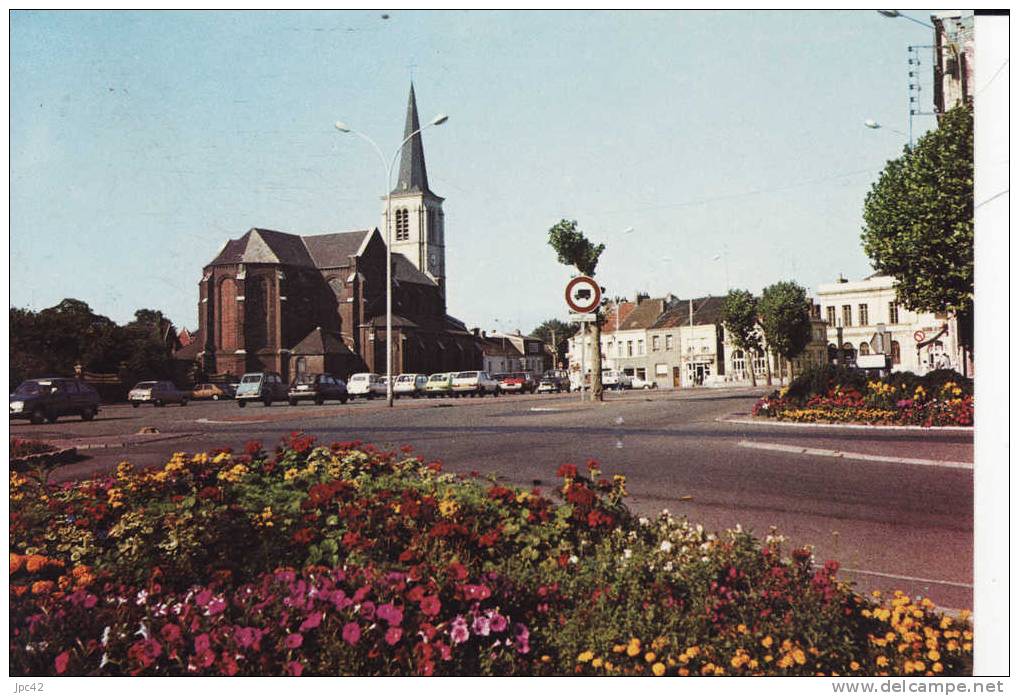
627 553
106 635
574 559
643 521
668 567
666 546
141 597
104 661
142 631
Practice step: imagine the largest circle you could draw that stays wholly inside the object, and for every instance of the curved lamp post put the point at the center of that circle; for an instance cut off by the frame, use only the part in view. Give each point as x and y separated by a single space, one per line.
387 165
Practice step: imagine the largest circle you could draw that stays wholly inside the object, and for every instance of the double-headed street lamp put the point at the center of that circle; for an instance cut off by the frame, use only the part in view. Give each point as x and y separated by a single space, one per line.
388 167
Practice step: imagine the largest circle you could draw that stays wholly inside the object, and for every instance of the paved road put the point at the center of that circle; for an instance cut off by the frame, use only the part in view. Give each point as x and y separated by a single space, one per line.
891 525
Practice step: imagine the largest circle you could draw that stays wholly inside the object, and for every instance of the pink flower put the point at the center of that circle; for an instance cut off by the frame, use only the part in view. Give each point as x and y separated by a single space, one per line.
430 605
481 625
295 668
61 662
202 643
393 635
390 613
313 621
477 592
170 632
206 658
203 597
498 622
216 606
458 632
245 637
368 611
352 633
293 640
521 637
90 601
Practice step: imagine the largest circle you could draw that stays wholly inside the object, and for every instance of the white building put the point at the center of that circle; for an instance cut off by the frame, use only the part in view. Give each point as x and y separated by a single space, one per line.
871 320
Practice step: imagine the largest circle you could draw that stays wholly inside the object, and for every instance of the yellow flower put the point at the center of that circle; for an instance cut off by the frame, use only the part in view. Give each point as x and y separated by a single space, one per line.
742 628
596 662
649 657
448 507
933 655
854 665
658 669
585 656
882 661
767 641
800 658
221 457
937 668
124 469
633 649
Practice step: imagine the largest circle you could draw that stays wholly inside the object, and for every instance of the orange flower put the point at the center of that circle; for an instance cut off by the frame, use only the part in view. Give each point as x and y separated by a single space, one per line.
35 563
17 562
43 587
19 590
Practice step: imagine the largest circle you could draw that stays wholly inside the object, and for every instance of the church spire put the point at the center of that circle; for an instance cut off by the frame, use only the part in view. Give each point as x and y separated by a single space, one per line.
413 176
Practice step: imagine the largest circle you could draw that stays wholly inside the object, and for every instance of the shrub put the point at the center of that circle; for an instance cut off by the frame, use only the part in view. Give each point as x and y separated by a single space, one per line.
23 448
351 560
819 380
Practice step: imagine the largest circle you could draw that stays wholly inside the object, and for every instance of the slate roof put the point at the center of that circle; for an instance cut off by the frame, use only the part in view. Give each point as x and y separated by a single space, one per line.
706 310
643 315
610 315
405 272
413 176
265 246
495 345
192 349
320 342
334 250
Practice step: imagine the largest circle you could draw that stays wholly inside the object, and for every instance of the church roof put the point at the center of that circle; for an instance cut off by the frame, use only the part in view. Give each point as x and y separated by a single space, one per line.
320 342
265 246
413 175
406 272
334 250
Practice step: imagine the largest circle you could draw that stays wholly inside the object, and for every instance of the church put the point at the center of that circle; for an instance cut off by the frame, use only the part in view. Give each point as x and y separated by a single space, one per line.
298 304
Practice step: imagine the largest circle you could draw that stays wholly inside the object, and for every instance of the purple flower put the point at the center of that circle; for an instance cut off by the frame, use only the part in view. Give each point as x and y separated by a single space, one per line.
482 625
313 621
293 641
340 599
90 601
393 635
521 638
458 632
245 637
352 633
368 610
202 643
498 622
390 613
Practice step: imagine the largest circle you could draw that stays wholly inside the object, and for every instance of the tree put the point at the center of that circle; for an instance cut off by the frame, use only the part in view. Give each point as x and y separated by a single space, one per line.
555 333
785 318
918 222
574 249
739 316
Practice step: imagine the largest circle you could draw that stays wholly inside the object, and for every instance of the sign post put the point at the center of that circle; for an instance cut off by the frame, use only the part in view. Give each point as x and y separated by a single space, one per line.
583 297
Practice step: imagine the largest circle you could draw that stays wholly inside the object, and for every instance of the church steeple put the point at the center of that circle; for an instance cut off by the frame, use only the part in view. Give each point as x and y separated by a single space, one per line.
413 176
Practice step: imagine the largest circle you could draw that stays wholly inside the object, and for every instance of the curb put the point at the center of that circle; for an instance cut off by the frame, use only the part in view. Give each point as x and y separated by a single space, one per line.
856 426
124 443
50 459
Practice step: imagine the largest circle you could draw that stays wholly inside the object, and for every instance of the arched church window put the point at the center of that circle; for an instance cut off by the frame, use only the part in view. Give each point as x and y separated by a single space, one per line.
227 305
402 225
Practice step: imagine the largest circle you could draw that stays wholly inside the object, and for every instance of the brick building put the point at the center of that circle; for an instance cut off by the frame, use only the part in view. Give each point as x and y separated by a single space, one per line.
293 304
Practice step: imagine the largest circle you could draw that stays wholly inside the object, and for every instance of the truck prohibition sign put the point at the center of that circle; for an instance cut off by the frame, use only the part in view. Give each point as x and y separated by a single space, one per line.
583 295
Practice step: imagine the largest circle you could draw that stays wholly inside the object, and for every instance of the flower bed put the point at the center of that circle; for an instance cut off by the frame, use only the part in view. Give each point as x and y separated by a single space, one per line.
898 399
29 454
350 560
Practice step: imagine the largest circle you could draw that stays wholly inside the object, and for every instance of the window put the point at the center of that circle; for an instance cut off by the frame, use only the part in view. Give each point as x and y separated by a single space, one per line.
661 369
619 349
640 346
896 353
893 312
815 311
831 316
864 348
668 341
654 343
629 348
739 364
847 315
402 225
863 315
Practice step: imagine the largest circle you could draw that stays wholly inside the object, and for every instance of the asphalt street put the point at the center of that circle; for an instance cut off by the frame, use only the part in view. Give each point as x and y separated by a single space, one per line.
895 509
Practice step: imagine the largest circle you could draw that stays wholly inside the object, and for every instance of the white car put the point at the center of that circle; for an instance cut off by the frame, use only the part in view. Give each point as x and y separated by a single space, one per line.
365 385
641 383
474 383
614 379
409 384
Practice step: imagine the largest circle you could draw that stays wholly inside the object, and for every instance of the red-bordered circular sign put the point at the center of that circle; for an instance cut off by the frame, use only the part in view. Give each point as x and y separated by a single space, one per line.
583 295
919 336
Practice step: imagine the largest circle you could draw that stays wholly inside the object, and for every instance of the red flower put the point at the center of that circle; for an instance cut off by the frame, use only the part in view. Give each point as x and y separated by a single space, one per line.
430 605
61 662
351 633
252 447
304 535
567 471
592 465
457 570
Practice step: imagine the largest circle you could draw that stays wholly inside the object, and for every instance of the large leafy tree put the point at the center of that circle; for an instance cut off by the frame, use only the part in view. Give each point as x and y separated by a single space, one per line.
556 333
918 221
739 316
573 248
785 318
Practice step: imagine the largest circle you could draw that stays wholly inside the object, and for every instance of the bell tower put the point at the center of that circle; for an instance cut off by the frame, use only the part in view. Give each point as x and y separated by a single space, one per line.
418 227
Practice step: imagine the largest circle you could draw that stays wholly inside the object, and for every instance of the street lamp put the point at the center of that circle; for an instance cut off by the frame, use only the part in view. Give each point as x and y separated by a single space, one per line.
874 125
895 14
388 167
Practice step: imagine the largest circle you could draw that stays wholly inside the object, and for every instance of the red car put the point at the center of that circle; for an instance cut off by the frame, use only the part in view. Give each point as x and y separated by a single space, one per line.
517 382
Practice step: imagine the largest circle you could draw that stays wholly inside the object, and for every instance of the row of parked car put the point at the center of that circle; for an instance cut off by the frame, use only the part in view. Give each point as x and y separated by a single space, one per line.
47 399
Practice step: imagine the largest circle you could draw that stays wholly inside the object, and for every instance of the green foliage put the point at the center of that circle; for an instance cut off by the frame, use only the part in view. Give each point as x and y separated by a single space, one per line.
821 380
562 331
573 248
739 315
785 318
918 220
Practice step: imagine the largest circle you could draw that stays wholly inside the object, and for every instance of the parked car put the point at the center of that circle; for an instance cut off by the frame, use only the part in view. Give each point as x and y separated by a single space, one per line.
554 381
318 388
614 379
516 383
439 384
213 391
157 393
48 398
365 385
641 383
410 384
474 383
261 386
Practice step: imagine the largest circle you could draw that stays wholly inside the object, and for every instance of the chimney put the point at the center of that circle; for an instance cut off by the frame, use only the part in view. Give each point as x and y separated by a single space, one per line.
842 279
476 331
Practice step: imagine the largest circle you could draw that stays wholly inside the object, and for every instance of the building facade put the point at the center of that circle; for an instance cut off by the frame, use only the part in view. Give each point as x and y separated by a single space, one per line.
864 318
288 303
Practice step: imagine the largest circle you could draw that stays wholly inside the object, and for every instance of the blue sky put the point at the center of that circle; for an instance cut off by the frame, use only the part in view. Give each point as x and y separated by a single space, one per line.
140 142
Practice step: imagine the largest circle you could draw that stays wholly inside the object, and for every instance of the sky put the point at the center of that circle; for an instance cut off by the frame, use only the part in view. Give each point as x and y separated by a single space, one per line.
731 142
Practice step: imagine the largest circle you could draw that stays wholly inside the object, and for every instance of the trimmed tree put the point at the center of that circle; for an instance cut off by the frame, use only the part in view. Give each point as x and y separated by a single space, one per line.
739 316
785 318
555 333
574 249
918 222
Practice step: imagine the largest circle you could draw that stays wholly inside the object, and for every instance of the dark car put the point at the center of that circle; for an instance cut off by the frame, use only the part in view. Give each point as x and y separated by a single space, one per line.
261 386
554 381
319 388
48 398
157 393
